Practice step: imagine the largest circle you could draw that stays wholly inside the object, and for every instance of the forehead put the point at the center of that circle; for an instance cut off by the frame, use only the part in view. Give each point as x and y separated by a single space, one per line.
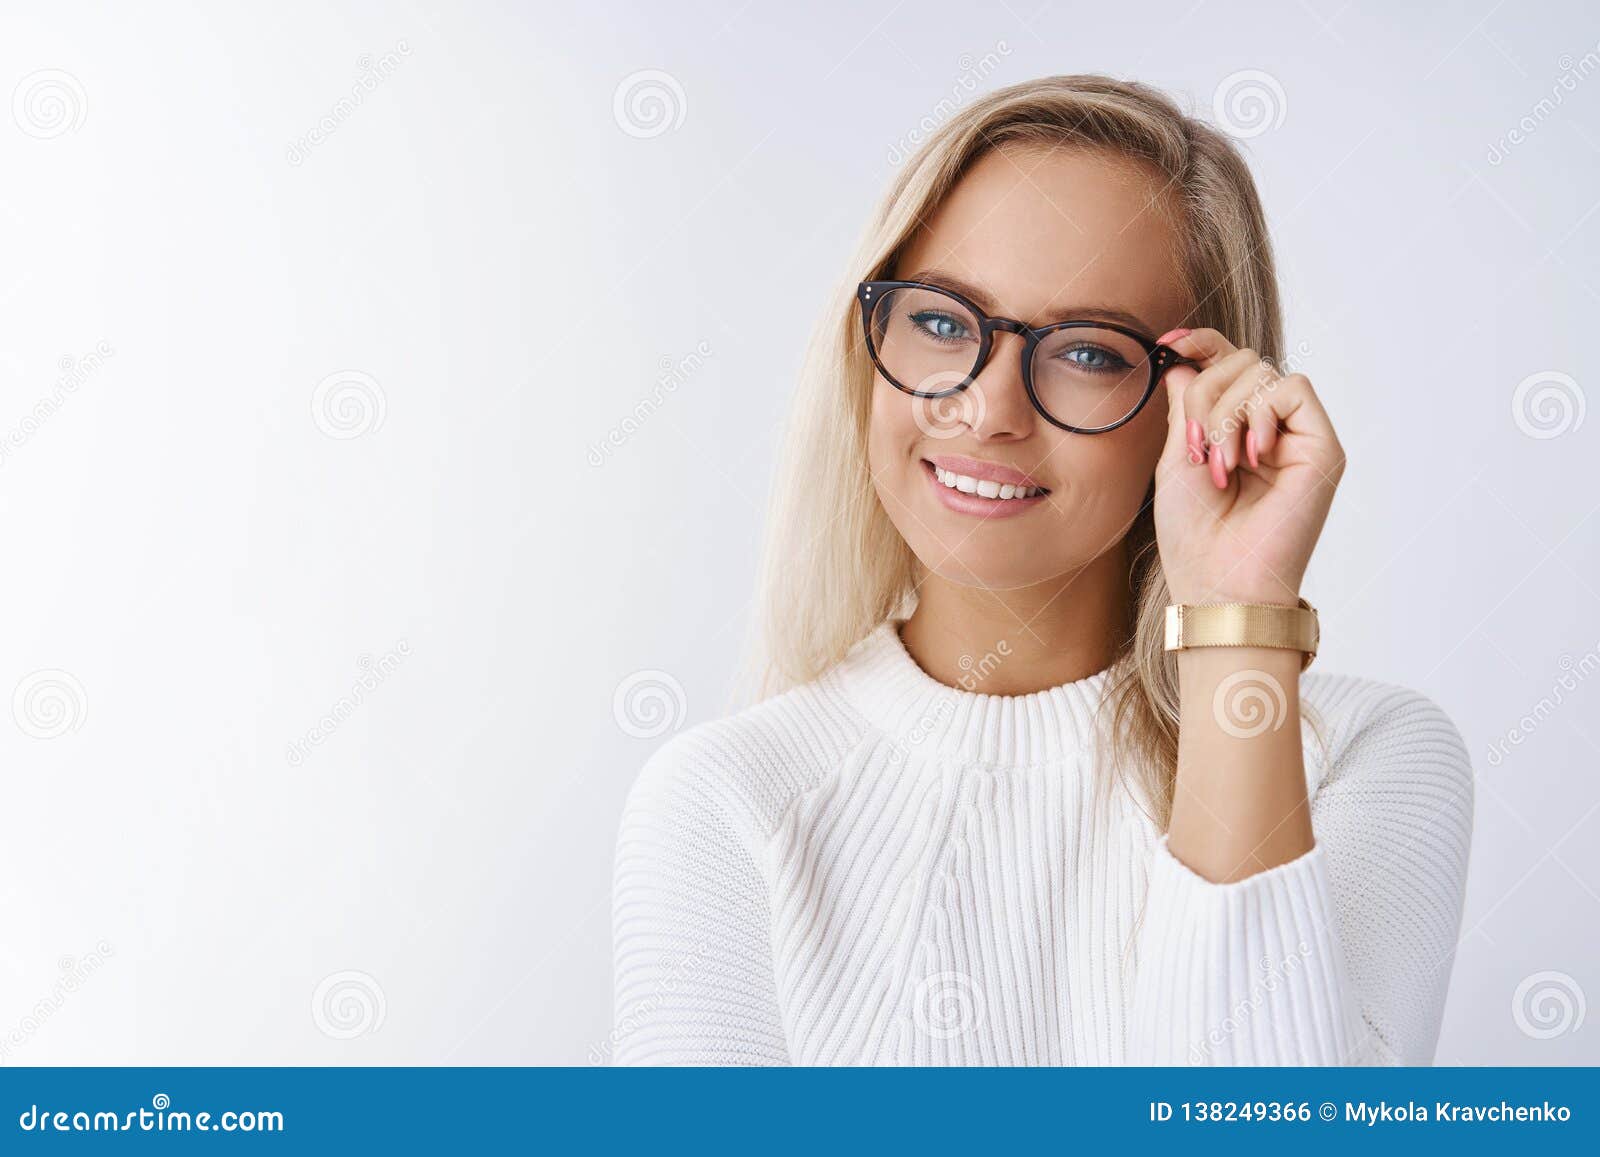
1045 229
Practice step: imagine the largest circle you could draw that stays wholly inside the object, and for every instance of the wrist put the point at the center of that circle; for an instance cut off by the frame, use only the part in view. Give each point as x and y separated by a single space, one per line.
1271 594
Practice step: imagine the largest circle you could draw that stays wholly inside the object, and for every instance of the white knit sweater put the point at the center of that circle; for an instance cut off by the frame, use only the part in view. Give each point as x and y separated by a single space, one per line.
875 868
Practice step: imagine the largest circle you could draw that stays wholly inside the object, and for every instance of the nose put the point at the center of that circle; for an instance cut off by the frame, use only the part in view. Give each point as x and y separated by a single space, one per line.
998 408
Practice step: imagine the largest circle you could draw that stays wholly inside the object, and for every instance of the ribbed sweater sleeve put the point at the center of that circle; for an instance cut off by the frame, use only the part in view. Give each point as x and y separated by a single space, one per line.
693 970
1343 955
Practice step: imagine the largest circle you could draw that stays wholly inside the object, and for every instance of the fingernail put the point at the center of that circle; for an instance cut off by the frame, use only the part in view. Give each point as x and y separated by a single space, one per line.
1250 451
1173 335
1197 438
1219 471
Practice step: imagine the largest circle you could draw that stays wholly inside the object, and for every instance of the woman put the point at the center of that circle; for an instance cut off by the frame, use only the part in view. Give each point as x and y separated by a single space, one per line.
1004 812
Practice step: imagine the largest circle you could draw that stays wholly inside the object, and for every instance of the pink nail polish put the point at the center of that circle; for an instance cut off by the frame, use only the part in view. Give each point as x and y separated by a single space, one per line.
1250 450
1219 471
1197 438
1173 335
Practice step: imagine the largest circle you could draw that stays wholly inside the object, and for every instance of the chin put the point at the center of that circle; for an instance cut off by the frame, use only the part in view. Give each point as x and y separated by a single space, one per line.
995 566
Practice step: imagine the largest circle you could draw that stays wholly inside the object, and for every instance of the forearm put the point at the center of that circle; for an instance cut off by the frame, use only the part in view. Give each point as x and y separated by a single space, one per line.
1239 806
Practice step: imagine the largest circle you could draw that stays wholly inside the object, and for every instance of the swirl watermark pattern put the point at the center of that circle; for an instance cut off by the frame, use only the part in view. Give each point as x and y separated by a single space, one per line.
1548 1004
50 703
950 415
1548 404
1250 703
1248 103
648 704
947 1005
648 103
348 1004
348 404
49 103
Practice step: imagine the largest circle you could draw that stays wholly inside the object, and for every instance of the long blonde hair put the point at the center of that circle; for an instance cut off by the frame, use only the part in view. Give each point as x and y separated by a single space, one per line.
835 567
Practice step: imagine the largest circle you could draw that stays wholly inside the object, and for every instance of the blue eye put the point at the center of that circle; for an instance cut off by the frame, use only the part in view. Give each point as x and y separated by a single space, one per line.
940 326
1093 359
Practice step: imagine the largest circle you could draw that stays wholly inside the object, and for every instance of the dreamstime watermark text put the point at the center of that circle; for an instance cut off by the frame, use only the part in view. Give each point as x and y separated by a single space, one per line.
372 673
371 72
673 374
74 373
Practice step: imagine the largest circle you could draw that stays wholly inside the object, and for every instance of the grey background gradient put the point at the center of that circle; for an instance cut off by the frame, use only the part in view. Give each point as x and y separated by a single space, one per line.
385 387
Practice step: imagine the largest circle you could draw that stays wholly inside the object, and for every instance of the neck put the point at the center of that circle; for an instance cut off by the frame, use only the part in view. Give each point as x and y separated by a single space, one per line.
1016 642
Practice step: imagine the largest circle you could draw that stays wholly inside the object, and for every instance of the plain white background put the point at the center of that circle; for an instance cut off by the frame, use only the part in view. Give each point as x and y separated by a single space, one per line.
301 397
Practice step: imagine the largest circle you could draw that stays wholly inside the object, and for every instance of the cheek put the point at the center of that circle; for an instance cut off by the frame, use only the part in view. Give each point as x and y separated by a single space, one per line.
1112 472
891 430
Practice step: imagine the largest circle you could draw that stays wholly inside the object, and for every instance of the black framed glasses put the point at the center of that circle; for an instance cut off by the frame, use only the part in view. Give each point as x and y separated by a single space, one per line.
1087 377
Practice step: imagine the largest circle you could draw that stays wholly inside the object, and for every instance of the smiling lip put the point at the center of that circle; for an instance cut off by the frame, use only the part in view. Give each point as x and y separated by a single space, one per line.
976 505
984 471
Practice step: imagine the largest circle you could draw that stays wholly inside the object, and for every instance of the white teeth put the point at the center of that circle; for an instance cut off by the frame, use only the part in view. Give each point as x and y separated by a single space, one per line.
983 487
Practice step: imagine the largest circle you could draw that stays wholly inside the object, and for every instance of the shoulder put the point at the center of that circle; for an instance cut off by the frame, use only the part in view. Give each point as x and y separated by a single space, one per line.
745 770
1366 734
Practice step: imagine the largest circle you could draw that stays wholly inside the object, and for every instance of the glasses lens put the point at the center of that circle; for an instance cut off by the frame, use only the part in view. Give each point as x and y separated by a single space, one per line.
1090 377
926 341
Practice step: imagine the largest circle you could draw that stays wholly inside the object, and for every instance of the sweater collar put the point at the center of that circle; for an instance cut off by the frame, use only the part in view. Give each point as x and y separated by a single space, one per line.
921 714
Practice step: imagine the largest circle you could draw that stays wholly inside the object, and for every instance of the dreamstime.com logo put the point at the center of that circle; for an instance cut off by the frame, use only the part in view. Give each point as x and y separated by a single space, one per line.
49 704
648 103
953 414
160 1117
348 1004
648 704
48 104
1548 1004
1548 404
1250 703
947 1005
348 404
1248 103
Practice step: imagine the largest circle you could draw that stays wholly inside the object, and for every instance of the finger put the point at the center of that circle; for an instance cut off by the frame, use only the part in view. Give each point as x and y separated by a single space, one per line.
1205 346
1176 425
1233 414
1299 413
1300 410
1202 394
1261 437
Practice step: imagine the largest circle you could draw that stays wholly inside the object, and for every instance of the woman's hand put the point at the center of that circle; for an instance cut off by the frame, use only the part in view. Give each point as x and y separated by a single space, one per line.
1246 478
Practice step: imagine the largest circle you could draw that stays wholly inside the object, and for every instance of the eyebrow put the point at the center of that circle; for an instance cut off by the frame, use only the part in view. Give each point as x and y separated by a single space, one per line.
986 302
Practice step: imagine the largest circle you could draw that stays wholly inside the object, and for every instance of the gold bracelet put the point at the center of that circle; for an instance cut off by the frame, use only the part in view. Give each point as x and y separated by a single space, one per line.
1244 625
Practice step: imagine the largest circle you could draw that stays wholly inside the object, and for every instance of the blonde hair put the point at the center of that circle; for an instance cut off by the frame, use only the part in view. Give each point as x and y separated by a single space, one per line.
835 566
